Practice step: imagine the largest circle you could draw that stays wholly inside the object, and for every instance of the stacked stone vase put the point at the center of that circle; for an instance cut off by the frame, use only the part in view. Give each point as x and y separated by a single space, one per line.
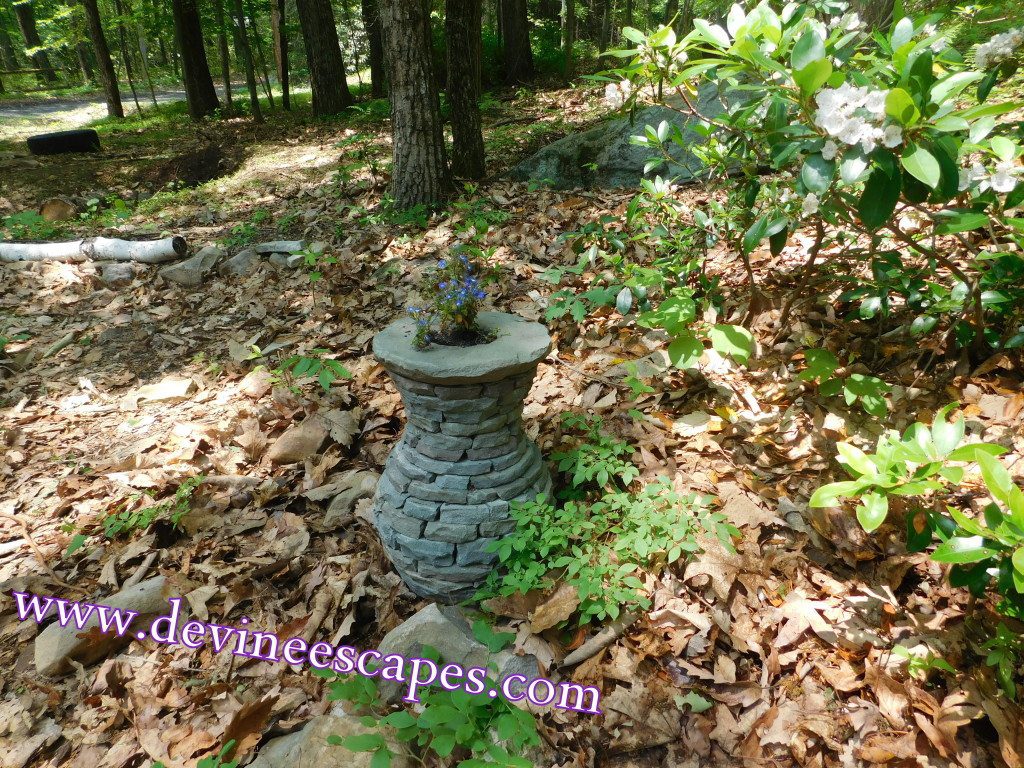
446 487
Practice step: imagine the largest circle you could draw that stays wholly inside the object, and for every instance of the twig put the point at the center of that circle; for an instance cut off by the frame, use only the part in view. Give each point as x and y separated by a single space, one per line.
592 376
601 640
39 553
140 572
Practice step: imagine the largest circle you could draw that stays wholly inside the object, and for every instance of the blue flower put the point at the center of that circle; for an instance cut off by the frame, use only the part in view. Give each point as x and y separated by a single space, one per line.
442 264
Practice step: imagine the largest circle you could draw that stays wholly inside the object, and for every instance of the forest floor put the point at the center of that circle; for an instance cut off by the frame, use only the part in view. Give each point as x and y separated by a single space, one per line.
789 639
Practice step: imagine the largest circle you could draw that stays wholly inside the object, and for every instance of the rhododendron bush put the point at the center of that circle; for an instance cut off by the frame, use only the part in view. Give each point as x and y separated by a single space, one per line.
890 147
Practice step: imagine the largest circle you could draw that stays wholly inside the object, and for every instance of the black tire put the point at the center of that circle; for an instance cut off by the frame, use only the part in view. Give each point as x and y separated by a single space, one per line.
83 140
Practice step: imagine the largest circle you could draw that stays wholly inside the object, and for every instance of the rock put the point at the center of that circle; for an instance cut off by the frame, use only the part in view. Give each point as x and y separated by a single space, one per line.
605 156
299 442
56 645
446 629
281 246
242 263
308 748
58 209
293 261
116 272
192 271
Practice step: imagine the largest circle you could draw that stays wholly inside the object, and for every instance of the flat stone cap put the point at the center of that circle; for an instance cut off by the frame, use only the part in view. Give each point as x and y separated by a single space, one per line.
518 346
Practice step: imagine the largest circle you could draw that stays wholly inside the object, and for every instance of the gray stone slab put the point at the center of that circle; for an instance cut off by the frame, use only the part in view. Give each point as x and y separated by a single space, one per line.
450 532
457 393
473 417
475 552
456 482
438 552
403 524
518 346
422 510
469 574
491 424
433 493
497 527
469 514
525 466
500 437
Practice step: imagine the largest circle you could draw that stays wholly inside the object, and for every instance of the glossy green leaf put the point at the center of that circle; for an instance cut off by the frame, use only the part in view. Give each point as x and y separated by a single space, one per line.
922 165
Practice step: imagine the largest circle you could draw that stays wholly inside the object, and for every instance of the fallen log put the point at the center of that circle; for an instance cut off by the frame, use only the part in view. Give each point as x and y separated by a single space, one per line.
97 249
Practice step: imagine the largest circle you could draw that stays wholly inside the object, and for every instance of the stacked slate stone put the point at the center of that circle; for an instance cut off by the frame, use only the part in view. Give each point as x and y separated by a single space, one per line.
445 491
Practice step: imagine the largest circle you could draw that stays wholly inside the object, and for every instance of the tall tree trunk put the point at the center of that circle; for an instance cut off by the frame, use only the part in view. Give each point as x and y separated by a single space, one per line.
245 54
103 62
607 16
225 58
462 22
371 23
199 90
8 53
82 52
126 53
569 38
140 39
628 21
515 31
327 77
27 24
257 47
280 32
419 173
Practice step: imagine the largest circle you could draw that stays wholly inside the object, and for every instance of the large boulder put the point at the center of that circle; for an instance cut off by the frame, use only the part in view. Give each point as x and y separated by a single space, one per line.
605 155
308 748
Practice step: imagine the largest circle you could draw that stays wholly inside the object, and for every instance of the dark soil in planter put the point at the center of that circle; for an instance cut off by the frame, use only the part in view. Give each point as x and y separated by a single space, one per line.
461 337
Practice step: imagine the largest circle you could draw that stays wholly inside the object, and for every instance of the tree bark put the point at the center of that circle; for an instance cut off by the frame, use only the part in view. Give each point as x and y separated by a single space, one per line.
515 32
199 91
327 77
419 171
125 53
244 52
568 38
225 57
877 14
82 52
8 53
280 32
371 23
462 30
98 248
256 40
103 62
607 16
27 24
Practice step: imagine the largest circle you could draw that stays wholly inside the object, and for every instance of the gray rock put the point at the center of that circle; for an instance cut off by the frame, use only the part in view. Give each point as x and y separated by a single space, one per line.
192 272
450 532
437 551
471 575
280 246
497 527
472 514
284 260
446 629
116 272
421 509
491 424
241 264
298 442
403 524
519 346
475 552
342 506
309 747
56 645
605 156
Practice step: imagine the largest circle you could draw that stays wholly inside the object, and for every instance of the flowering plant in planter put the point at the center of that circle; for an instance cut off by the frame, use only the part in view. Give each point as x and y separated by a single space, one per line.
454 291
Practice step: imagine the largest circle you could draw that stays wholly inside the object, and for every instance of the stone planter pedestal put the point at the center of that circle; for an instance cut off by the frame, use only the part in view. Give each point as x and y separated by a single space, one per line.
446 487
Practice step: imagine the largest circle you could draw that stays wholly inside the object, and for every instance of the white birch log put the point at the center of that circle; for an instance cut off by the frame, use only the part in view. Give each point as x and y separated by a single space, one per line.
98 249
280 246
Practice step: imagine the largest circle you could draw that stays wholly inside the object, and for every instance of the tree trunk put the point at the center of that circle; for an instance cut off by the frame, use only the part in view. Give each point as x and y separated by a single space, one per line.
8 53
371 23
280 32
125 53
103 62
199 90
140 38
27 24
225 58
257 47
607 16
245 54
419 173
568 37
515 31
462 30
877 14
82 52
327 77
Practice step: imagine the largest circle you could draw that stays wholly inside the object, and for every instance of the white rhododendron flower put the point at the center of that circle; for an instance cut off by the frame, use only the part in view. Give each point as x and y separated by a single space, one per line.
892 136
1003 179
828 152
999 48
810 204
615 94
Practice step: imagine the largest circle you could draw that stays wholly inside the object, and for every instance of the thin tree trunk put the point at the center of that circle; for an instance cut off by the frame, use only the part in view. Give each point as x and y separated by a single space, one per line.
245 54
103 62
371 23
516 35
199 90
327 79
126 53
82 52
225 58
8 54
280 33
27 24
257 45
419 171
606 25
462 30
140 39
569 37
